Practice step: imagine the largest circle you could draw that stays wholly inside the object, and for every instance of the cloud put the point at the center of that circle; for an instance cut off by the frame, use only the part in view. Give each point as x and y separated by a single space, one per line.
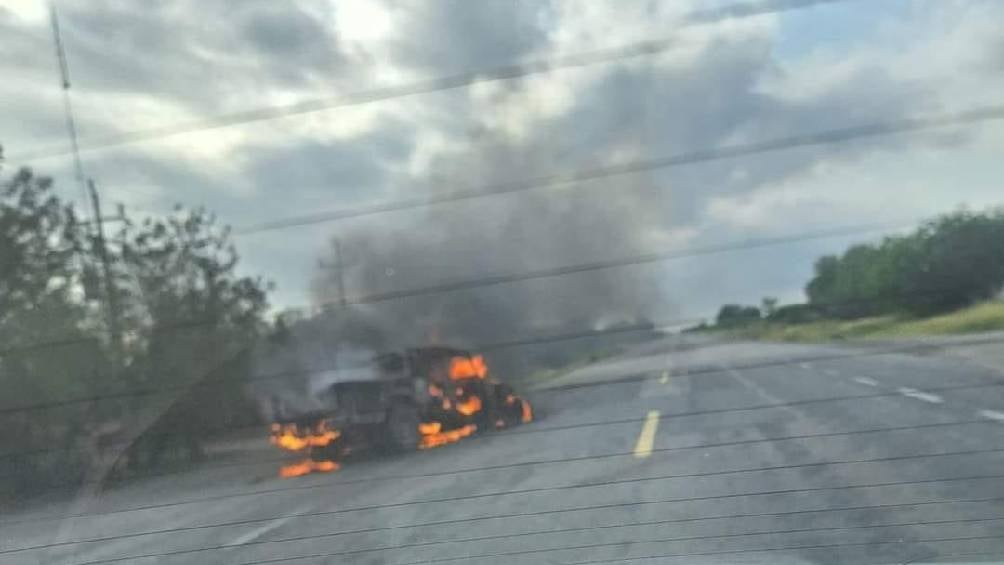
210 54
455 35
329 173
137 65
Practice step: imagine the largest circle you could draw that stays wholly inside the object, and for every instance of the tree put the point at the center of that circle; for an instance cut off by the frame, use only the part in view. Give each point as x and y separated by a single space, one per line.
822 287
193 321
189 319
178 276
955 260
795 314
731 315
950 262
50 347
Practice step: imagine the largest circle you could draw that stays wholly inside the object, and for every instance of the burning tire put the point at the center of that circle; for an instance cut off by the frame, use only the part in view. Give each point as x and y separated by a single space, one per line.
516 411
508 408
401 427
333 451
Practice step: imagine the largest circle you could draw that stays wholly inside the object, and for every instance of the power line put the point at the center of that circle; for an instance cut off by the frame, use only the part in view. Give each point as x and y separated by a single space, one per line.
953 555
565 460
668 540
505 72
550 272
467 284
781 548
908 348
464 284
537 513
638 49
71 126
548 429
749 9
675 476
768 406
753 8
825 137
490 346
570 510
994 113
633 378
477 496
619 543
555 531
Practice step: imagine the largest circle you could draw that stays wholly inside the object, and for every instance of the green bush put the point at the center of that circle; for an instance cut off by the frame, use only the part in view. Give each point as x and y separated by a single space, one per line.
733 315
948 263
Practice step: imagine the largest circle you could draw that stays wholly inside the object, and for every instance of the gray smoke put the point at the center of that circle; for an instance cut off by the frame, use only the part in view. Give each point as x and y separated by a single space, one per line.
506 234
632 111
304 357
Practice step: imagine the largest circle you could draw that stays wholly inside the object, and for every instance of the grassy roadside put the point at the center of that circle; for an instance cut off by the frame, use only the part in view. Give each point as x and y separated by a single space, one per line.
980 318
541 376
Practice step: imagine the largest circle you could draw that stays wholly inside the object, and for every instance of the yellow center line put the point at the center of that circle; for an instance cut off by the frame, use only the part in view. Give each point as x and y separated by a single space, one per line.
665 378
643 447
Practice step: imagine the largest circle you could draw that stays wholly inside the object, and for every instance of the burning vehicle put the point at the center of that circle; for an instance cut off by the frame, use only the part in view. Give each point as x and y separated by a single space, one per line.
414 399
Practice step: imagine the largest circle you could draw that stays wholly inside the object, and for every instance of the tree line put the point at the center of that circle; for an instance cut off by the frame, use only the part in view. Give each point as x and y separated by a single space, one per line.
950 262
90 325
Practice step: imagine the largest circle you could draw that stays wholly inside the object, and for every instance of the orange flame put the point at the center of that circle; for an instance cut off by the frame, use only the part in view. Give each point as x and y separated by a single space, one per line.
429 428
470 406
468 368
442 438
306 467
291 438
527 412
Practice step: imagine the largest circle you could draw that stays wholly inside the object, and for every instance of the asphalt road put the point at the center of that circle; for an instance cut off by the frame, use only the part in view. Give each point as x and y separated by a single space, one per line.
681 451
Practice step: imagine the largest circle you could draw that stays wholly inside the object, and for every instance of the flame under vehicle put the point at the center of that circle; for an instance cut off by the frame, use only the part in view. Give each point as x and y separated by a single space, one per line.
415 399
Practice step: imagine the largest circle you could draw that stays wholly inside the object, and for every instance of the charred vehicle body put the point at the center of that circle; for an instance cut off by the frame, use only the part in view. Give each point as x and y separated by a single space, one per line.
415 399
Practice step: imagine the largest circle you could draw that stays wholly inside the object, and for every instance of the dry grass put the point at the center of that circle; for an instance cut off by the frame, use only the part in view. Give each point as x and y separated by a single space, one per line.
980 318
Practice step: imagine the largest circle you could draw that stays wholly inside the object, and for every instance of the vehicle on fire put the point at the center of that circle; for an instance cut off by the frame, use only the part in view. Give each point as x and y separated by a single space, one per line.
414 399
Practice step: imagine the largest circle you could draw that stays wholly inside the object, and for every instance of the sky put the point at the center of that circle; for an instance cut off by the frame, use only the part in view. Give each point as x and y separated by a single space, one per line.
727 79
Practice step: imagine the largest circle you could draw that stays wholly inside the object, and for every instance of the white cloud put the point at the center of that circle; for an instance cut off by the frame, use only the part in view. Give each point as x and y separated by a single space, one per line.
362 20
28 10
137 66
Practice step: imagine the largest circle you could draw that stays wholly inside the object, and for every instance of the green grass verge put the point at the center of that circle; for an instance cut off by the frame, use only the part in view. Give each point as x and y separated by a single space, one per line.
541 376
980 318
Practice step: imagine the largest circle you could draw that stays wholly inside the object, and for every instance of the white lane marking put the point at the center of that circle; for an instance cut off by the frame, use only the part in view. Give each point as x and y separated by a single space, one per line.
806 366
866 381
259 532
760 391
831 372
919 395
664 379
993 415
646 439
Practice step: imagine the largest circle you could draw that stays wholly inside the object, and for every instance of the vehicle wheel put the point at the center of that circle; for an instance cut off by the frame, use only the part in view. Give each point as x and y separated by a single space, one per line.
402 427
330 452
515 410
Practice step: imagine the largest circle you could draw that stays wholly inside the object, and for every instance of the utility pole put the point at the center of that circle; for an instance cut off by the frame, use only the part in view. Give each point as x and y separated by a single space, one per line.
106 269
71 126
338 267
339 272
88 192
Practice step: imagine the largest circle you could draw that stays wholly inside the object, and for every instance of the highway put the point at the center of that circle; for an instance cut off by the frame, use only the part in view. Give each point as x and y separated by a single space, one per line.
682 450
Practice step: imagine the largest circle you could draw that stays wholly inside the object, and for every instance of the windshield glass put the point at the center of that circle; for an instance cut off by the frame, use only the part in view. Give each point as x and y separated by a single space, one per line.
497 281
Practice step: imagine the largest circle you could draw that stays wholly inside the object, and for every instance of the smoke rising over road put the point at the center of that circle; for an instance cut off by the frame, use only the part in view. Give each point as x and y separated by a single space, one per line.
505 235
